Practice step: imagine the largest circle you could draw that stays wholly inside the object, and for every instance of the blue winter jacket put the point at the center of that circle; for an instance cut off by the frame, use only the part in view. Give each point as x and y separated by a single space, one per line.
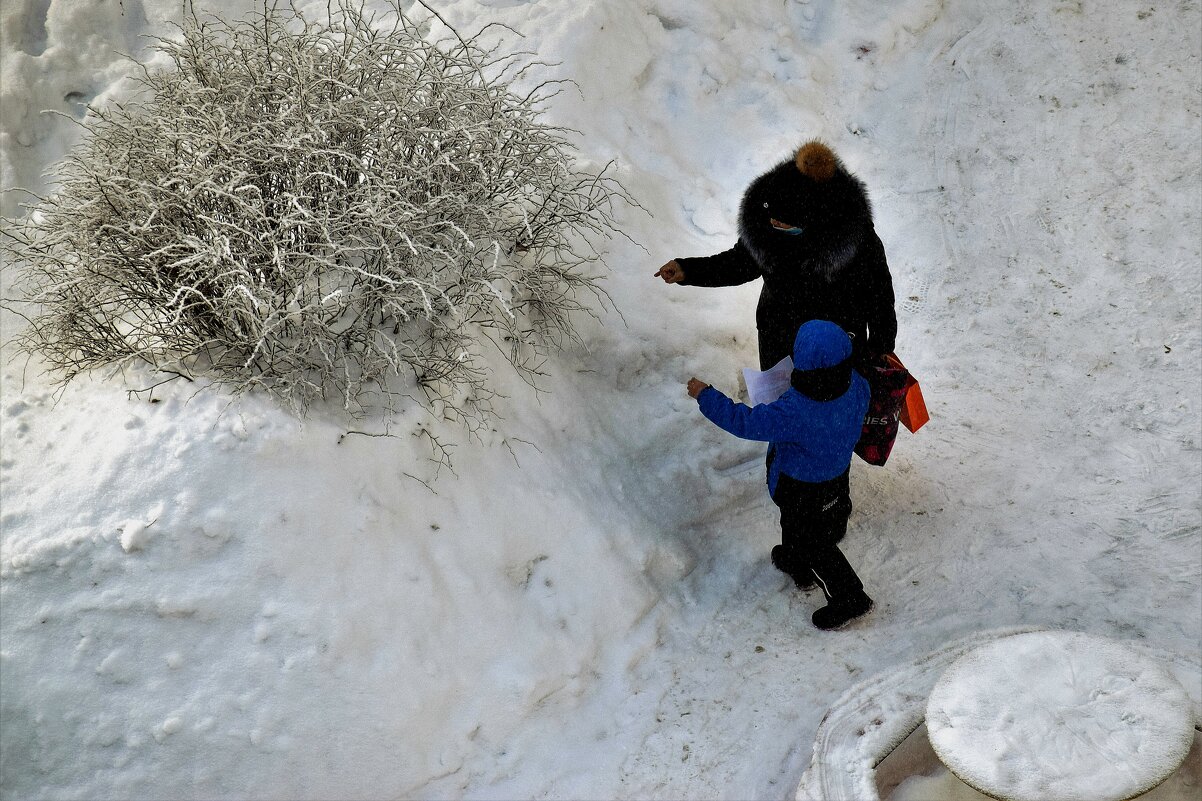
811 441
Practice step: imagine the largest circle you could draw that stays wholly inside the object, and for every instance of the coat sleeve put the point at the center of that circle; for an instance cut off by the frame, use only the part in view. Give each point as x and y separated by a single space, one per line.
882 317
730 267
761 423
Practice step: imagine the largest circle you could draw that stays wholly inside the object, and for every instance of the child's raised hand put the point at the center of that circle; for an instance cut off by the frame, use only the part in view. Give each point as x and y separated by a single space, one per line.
696 387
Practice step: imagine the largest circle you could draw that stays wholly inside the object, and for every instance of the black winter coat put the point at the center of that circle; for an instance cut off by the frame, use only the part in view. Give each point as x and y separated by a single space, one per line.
834 270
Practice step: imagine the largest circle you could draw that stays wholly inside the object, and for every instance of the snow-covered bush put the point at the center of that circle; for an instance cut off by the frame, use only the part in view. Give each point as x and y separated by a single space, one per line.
340 206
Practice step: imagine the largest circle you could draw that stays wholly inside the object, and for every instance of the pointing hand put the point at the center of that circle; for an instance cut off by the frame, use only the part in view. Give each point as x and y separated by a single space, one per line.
671 273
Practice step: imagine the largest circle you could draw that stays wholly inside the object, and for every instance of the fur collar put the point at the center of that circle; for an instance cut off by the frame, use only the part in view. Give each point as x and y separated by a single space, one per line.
835 217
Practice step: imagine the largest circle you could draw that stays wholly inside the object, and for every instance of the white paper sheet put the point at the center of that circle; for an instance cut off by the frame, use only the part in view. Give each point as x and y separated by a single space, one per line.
767 386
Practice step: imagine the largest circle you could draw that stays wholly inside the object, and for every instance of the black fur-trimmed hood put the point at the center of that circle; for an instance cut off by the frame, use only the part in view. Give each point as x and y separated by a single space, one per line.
814 192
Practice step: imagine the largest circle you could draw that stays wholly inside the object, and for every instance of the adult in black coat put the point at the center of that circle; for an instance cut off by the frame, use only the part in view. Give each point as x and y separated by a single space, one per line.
805 227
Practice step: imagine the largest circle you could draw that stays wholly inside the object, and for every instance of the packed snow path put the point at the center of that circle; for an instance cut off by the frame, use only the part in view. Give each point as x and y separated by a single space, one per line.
202 601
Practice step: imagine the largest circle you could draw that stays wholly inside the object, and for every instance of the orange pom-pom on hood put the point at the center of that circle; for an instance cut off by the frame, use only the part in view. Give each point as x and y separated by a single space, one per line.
816 161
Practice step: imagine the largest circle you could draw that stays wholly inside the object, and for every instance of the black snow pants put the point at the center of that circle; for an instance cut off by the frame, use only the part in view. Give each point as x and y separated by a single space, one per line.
813 518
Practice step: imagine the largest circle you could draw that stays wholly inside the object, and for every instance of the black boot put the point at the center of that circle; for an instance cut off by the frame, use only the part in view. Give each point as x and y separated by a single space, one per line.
845 596
786 562
840 611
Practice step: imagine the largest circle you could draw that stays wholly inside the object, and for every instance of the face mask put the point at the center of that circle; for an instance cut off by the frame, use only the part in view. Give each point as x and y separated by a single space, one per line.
791 231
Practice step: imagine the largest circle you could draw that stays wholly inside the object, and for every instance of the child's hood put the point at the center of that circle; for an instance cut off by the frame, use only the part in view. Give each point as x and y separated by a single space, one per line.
820 343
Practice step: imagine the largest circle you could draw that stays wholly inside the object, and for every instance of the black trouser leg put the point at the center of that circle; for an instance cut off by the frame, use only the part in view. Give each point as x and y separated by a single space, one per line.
794 543
774 345
813 518
835 574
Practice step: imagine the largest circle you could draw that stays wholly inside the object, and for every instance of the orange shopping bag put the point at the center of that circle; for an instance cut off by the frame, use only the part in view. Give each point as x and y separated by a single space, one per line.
913 414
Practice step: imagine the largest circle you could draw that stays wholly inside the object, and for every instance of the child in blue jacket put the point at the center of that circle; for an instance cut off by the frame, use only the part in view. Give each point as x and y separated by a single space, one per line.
812 430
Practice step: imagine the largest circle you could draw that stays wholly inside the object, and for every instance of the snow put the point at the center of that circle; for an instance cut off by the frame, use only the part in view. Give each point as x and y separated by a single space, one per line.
206 597
940 784
1059 715
873 742
873 720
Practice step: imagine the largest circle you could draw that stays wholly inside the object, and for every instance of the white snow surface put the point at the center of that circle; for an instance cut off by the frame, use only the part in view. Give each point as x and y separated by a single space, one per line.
872 743
1060 715
204 597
